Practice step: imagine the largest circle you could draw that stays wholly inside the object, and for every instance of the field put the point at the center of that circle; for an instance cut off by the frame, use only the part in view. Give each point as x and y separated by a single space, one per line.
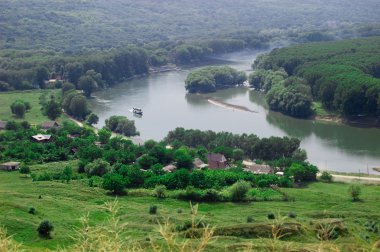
64 203
34 116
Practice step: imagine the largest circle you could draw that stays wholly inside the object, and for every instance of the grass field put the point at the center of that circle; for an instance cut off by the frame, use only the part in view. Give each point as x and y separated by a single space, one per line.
34 116
64 203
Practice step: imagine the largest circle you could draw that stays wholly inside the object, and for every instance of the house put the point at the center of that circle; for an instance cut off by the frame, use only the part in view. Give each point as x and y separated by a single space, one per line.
259 169
50 125
216 161
169 168
2 125
199 164
42 138
9 166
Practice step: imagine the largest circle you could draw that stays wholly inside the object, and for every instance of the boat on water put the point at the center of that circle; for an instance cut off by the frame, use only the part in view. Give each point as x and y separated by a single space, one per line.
137 111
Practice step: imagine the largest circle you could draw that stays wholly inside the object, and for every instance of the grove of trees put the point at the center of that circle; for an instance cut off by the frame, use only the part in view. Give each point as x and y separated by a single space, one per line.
209 79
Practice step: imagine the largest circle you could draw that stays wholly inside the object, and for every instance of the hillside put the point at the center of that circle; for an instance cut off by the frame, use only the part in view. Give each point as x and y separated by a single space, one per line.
343 76
74 25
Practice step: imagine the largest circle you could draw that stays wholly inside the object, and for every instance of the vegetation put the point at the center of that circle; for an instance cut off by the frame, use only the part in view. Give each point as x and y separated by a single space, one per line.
34 114
343 76
355 192
209 79
66 203
44 229
122 125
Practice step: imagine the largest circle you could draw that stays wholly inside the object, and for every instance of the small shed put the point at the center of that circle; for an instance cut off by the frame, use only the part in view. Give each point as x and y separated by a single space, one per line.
216 161
2 125
9 166
259 169
42 138
50 125
169 168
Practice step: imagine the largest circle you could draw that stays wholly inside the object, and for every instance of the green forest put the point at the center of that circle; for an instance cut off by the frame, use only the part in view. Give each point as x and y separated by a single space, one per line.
343 75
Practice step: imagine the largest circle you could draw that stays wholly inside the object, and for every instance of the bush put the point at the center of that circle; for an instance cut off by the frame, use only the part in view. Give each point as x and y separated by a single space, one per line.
24 169
44 229
153 209
355 192
179 210
98 167
249 219
211 195
292 215
271 216
32 210
160 191
239 190
326 177
114 182
191 194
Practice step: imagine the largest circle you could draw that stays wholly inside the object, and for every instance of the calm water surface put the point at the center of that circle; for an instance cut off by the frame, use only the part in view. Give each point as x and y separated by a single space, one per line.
166 106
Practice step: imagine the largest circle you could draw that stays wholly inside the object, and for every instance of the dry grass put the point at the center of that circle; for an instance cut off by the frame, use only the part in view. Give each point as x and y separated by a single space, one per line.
7 244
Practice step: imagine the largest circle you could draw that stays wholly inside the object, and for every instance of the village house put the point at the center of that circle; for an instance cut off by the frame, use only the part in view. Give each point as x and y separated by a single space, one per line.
259 169
50 125
216 161
42 138
9 166
2 125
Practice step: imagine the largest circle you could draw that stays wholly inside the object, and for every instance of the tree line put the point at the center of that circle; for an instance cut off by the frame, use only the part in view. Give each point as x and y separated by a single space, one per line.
343 75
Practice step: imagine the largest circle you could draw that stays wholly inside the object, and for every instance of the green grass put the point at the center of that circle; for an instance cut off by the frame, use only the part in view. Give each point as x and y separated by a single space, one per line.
34 116
64 203
319 110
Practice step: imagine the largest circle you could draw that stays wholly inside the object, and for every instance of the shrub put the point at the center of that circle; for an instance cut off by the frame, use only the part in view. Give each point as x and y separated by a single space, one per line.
355 192
32 210
249 219
153 209
114 182
24 169
179 210
98 167
239 190
160 191
211 195
18 108
44 229
191 194
292 215
326 177
271 216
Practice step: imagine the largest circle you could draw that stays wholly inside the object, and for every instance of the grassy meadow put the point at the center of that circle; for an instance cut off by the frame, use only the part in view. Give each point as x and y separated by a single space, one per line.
64 204
34 116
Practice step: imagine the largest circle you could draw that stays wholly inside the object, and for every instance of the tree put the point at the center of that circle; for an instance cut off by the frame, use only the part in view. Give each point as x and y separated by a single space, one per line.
45 228
92 119
104 135
121 124
18 108
87 84
67 86
114 182
239 190
41 75
302 172
67 174
238 154
78 107
183 159
52 109
98 167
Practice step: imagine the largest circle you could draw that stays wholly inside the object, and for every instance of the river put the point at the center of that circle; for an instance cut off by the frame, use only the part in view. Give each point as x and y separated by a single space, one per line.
166 106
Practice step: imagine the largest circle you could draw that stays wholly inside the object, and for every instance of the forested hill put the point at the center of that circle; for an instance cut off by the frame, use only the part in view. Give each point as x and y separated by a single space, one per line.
76 24
343 75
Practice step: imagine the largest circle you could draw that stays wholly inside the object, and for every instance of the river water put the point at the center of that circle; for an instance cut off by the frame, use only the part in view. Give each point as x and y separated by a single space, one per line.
166 106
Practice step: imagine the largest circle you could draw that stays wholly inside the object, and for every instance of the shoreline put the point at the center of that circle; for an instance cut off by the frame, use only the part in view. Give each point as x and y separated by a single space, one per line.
226 105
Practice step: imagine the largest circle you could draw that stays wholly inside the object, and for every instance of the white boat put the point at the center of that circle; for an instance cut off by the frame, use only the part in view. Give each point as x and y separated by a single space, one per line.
137 111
